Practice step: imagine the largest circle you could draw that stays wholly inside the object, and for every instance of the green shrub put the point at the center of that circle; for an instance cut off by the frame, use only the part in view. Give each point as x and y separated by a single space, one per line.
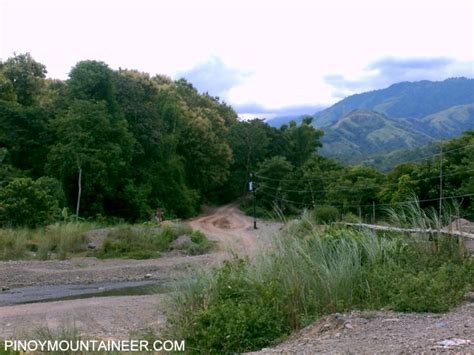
144 242
325 214
25 202
200 244
129 242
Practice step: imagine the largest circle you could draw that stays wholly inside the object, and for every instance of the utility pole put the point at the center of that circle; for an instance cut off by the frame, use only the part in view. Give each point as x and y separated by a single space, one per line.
253 188
441 183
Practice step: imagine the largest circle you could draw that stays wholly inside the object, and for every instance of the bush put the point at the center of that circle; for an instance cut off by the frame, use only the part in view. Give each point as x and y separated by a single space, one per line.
25 202
130 242
200 244
325 214
145 242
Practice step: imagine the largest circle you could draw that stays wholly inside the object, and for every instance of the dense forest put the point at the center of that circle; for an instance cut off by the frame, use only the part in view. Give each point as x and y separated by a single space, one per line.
108 144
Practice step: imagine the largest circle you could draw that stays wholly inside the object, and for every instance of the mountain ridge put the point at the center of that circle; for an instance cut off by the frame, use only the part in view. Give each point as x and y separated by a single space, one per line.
403 100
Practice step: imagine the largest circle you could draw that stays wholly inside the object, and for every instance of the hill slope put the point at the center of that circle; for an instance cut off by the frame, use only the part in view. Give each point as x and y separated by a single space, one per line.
403 116
363 132
404 100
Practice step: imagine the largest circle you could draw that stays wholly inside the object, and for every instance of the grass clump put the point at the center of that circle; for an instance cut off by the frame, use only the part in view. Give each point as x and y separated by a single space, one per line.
309 272
54 241
148 242
134 243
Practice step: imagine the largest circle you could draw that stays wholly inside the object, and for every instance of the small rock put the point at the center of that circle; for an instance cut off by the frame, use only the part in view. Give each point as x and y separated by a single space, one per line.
182 242
454 342
441 324
91 245
147 276
348 326
5 288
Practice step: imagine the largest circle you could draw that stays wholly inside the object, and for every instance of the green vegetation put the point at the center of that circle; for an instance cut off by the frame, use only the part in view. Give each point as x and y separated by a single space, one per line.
405 116
57 240
321 182
404 100
111 145
248 304
144 243
30 203
62 240
120 143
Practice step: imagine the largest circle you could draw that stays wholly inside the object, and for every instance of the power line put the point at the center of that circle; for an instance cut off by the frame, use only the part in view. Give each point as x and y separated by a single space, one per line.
428 158
360 205
367 187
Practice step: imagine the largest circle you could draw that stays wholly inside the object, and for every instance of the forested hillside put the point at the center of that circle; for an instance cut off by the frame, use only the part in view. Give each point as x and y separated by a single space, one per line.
130 141
403 116
413 100
108 144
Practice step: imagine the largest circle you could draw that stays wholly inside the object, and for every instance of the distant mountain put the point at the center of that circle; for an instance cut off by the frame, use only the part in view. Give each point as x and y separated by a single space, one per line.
395 120
387 161
281 120
450 122
403 116
403 100
363 132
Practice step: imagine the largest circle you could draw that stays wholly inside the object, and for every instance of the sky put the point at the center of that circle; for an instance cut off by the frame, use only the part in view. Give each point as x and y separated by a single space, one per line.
264 57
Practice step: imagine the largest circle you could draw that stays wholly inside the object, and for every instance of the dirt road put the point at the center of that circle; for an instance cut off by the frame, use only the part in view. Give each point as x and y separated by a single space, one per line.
116 317
233 230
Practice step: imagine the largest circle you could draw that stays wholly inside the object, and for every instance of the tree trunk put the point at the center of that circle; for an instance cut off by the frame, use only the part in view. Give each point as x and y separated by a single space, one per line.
79 190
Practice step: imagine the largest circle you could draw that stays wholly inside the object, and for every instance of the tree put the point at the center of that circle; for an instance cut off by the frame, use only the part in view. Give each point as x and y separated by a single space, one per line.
271 177
25 202
26 76
302 141
25 134
92 80
92 154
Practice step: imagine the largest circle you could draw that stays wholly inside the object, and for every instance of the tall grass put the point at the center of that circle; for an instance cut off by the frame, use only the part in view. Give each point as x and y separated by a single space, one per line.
144 242
412 215
57 240
310 271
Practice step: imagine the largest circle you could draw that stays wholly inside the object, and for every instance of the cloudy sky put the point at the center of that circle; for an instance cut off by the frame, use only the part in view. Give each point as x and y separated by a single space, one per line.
264 57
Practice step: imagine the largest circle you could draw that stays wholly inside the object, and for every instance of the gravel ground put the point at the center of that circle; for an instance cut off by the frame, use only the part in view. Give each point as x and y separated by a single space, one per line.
385 332
86 270
93 318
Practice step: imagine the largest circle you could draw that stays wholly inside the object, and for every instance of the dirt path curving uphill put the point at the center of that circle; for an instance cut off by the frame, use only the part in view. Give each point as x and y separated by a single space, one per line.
232 229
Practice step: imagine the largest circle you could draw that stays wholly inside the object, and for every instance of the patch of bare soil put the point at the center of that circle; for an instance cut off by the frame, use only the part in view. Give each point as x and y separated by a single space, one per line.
92 270
385 332
108 317
233 230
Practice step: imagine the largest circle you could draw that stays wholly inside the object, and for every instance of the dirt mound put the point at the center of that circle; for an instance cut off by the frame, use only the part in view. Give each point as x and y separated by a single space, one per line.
222 223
